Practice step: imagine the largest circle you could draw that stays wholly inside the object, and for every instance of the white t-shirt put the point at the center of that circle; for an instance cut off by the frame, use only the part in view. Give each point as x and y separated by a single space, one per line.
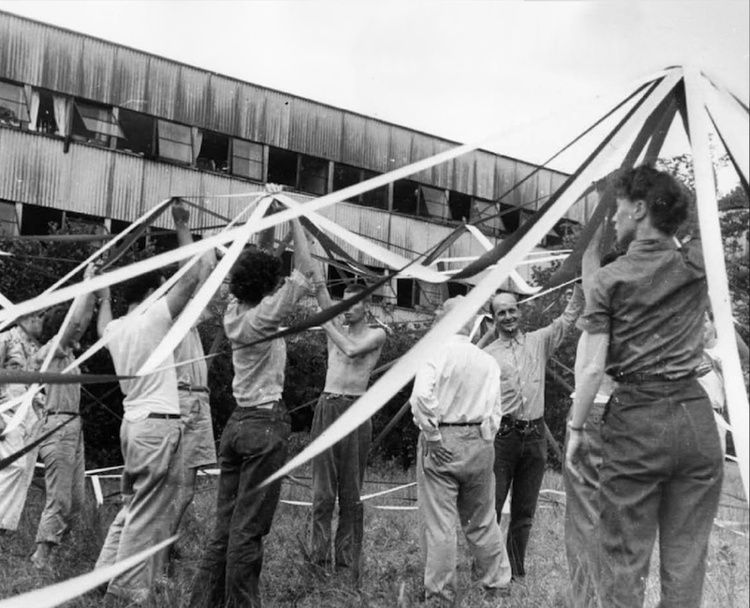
130 347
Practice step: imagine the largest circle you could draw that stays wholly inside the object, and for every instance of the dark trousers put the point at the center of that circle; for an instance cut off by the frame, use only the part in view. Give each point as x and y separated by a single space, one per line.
253 446
662 471
520 459
339 471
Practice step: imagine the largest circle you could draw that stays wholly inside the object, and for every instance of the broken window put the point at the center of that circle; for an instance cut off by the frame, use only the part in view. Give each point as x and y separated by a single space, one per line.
14 111
175 142
213 154
139 133
406 196
313 174
407 294
282 167
247 159
8 219
95 124
45 114
38 220
460 206
433 202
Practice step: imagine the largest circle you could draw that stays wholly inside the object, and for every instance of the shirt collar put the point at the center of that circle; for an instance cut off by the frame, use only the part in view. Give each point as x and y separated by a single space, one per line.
653 245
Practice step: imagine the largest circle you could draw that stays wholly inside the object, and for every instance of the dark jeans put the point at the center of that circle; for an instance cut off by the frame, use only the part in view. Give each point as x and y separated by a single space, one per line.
340 471
662 470
520 458
253 446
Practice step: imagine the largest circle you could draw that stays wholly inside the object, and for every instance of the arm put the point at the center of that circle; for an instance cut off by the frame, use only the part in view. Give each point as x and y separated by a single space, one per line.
424 403
353 347
83 310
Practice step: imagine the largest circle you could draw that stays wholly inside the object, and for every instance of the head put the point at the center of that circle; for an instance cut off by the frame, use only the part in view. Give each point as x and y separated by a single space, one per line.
449 305
255 275
358 312
32 324
504 309
137 289
646 196
52 321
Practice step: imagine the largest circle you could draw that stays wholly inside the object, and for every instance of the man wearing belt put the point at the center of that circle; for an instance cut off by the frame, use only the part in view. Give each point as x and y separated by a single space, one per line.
150 431
521 444
353 351
456 405
662 465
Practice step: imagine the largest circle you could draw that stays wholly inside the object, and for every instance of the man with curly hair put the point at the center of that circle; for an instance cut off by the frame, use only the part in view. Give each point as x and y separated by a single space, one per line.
254 441
661 460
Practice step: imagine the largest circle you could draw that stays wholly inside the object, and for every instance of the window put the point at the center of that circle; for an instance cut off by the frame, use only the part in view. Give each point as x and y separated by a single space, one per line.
214 152
313 174
345 176
95 124
38 220
406 293
338 279
511 217
433 202
456 289
460 206
13 109
175 142
139 133
406 196
45 118
282 167
374 198
247 159
8 219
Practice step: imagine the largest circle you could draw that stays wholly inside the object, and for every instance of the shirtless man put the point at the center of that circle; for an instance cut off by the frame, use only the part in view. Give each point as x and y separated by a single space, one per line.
353 351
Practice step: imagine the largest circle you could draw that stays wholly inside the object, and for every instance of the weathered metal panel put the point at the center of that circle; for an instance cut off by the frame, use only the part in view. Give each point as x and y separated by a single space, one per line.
545 186
98 76
442 174
505 178
399 147
221 104
130 82
375 154
526 194
21 49
353 140
191 98
485 175
63 61
127 187
464 173
250 113
90 180
422 147
161 84
315 129
274 118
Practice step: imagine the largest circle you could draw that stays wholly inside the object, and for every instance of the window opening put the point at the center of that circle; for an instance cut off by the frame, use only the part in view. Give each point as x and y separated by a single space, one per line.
313 174
282 167
175 142
139 133
14 111
214 153
247 159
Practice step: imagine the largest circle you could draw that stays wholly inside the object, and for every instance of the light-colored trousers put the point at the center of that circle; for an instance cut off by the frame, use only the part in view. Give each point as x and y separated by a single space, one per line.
64 477
150 488
463 490
15 479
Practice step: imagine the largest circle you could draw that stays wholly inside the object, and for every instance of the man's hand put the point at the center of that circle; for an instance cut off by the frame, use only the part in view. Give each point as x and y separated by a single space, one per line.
180 213
273 188
573 453
437 451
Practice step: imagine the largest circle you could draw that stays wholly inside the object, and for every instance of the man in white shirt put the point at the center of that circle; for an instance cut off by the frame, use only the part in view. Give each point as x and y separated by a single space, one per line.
456 405
150 431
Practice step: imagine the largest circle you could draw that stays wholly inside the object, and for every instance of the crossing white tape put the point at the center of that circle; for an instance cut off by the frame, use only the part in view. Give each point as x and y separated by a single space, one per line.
97 490
59 593
396 377
388 491
104 470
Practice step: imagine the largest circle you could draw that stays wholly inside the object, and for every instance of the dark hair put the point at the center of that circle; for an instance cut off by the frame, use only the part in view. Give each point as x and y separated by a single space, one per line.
52 321
667 200
356 289
254 275
134 290
499 292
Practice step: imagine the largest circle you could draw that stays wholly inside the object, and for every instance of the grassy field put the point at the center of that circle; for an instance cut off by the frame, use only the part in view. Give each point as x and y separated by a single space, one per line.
392 574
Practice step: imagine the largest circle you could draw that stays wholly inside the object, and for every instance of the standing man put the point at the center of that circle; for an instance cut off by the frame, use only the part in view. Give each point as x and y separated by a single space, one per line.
456 405
150 432
661 460
353 351
521 444
18 346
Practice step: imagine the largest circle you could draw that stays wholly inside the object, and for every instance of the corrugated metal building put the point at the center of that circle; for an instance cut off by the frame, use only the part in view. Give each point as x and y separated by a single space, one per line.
96 132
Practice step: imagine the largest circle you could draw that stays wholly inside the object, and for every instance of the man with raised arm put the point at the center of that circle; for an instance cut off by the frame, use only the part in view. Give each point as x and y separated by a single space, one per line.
151 428
353 351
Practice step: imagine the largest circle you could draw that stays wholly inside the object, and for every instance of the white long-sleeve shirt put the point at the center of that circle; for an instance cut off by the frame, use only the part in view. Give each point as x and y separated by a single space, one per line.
460 383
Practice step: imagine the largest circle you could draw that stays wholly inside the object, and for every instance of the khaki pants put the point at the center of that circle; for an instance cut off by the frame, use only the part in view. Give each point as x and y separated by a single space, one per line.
150 488
463 490
15 479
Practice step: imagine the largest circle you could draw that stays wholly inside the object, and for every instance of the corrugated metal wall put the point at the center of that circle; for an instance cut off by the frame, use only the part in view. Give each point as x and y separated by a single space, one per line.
76 64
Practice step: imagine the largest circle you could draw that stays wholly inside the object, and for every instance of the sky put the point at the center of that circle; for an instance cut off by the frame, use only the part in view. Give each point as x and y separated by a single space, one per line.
457 69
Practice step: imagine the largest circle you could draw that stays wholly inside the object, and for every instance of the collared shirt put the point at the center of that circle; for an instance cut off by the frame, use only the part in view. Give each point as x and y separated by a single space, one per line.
259 369
154 393
459 384
17 350
60 397
651 301
195 373
523 359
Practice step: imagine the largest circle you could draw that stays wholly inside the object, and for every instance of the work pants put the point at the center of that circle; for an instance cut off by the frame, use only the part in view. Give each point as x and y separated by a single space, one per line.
150 487
462 489
253 446
582 513
662 471
64 477
15 479
339 471
520 459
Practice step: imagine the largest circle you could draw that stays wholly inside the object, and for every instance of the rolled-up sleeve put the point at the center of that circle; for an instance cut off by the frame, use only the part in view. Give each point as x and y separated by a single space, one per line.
596 316
424 402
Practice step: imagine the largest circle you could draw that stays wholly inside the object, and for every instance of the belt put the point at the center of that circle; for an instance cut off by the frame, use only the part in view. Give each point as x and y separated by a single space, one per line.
459 423
520 424
165 416
638 378
192 389
63 413
341 395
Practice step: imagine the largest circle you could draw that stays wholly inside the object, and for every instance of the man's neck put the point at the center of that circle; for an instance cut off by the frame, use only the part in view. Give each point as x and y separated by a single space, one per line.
357 327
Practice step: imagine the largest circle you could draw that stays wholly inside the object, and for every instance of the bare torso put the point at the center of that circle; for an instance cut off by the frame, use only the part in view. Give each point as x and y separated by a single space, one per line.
350 375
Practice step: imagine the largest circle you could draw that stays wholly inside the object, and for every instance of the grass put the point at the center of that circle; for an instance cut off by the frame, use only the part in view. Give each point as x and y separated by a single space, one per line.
392 573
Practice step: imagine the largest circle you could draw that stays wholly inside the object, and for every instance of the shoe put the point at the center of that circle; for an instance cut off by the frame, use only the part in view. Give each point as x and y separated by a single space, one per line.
497 592
42 557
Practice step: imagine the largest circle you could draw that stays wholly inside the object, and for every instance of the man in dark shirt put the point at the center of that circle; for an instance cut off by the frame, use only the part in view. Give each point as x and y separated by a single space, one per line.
662 463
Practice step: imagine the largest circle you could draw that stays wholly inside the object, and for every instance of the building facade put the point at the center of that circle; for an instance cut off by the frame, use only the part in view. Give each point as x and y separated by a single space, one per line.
96 133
